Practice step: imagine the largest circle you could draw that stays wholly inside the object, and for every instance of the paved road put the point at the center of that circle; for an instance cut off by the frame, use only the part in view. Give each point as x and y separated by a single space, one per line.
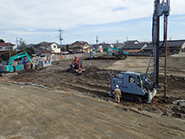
29 112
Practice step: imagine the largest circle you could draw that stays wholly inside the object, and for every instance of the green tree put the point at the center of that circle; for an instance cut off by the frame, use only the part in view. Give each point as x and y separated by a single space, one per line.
67 47
62 49
5 56
21 45
2 41
178 49
29 50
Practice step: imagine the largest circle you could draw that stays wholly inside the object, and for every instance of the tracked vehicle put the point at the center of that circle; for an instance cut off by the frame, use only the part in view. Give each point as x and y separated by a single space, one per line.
135 84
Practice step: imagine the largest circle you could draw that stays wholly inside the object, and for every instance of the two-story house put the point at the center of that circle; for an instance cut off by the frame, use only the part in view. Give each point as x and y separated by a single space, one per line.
79 46
45 46
6 47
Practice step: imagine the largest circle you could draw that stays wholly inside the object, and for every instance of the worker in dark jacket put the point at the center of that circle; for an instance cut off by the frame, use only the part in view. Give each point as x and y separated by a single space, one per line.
117 94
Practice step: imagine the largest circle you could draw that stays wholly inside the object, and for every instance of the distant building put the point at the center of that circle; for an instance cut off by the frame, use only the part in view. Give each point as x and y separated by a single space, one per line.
172 46
132 42
6 47
119 45
139 47
79 46
45 46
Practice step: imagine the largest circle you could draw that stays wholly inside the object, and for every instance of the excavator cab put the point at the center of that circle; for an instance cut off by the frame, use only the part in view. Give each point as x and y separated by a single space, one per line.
76 65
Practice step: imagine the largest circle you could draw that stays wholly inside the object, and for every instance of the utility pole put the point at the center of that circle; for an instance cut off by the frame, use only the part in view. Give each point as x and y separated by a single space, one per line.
60 36
9 49
96 42
17 42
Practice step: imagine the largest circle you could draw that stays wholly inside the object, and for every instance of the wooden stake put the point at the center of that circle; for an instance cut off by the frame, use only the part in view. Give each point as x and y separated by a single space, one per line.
68 89
154 104
52 87
24 79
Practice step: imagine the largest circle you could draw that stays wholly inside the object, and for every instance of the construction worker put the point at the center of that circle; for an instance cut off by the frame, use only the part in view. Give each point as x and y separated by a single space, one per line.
117 94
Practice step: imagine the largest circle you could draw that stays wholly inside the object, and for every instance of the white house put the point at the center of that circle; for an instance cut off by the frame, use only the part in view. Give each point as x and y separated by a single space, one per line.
55 49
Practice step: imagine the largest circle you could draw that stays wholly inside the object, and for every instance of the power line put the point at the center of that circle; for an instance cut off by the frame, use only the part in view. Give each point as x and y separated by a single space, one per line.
74 34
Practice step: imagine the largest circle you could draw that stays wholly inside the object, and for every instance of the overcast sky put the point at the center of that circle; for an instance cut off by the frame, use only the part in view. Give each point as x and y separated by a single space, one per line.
82 20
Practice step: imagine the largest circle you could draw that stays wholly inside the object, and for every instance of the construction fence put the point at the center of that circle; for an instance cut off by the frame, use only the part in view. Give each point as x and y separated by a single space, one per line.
64 57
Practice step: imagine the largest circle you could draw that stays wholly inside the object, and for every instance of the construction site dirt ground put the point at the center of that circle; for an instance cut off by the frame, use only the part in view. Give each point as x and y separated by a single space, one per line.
54 103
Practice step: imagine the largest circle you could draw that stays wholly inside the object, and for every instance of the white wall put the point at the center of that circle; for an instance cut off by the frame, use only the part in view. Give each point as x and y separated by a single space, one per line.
55 48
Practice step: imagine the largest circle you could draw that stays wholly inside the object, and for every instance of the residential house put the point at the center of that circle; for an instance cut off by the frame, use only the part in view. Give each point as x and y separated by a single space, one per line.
104 45
133 48
132 42
172 46
79 46
45 46
119 45
4 47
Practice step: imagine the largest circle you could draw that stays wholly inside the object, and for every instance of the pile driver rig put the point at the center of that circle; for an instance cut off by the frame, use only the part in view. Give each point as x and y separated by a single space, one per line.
140 85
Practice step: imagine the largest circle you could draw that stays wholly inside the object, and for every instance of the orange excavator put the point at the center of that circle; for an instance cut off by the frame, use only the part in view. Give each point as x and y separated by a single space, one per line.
76 65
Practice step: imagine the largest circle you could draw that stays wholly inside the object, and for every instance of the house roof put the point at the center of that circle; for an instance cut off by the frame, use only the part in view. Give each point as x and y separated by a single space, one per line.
6 44
170 44
47 52
131 41
132 46
81 42
43 44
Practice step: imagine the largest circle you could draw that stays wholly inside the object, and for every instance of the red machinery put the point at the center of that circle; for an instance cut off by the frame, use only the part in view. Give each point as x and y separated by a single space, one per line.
76 65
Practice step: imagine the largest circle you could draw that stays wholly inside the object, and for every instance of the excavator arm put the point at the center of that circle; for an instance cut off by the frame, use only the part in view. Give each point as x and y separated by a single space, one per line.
20 55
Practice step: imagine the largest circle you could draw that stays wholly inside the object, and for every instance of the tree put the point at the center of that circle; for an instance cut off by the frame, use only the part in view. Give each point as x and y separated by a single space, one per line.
21 45
67 47
178 48
29 50
2 41
62 49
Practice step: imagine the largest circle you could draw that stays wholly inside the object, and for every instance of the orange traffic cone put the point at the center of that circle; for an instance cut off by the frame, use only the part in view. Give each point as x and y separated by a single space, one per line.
2 79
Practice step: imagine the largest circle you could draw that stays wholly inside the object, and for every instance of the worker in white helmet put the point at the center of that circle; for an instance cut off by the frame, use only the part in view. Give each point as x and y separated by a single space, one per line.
117 94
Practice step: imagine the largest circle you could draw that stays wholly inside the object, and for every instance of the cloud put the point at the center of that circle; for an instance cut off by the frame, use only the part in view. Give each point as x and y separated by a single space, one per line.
39 15
71 13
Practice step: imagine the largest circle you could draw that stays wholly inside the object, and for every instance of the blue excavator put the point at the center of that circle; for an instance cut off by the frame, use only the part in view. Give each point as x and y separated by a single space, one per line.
8 67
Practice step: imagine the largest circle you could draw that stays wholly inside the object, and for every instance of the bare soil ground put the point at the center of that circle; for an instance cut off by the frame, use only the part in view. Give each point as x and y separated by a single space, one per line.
80 107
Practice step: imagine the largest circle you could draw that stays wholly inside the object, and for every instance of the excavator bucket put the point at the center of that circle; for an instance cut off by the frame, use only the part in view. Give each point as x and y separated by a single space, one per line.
79 71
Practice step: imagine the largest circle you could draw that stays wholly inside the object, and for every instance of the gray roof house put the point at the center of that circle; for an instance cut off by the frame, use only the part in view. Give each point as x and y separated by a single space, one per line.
132 42
172 46
134 46
45 46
